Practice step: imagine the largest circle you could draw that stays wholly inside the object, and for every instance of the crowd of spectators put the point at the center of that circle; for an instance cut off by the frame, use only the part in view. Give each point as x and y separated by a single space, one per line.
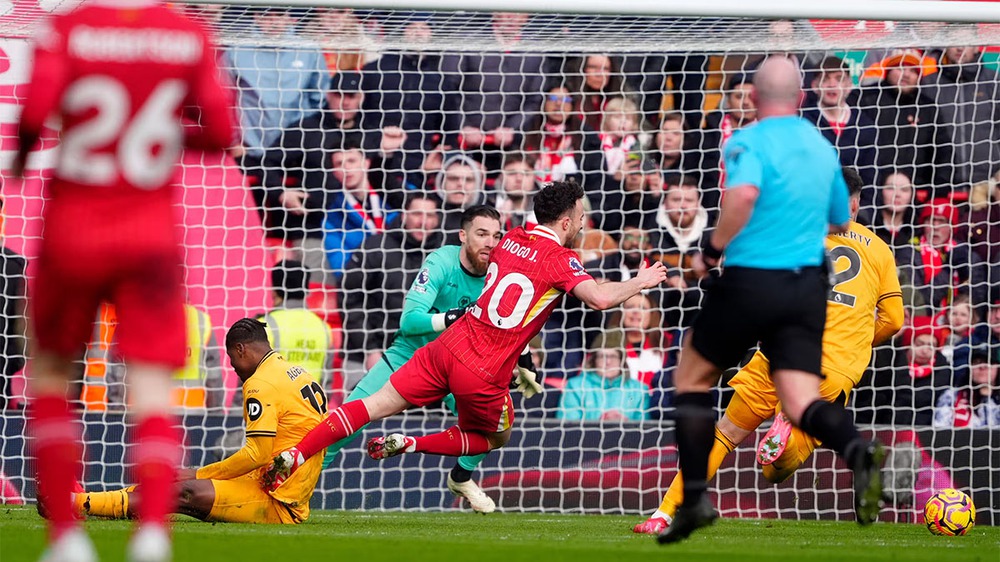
361 162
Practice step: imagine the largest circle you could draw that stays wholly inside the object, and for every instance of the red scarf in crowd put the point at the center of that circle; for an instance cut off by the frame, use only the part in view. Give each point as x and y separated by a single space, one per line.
376 220
556 145
933 259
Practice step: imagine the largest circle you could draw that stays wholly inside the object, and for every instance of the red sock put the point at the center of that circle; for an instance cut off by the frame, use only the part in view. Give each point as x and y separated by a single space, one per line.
341 422
158 455
453 442
57 459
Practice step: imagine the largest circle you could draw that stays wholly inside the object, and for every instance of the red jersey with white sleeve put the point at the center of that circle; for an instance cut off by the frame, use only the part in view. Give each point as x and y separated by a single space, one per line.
529 272
123 77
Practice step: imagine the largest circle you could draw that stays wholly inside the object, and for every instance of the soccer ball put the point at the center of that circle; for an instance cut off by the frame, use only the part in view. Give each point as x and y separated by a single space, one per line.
950 513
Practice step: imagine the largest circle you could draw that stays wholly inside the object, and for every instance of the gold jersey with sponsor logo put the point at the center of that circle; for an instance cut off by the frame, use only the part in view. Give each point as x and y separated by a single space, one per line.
283 401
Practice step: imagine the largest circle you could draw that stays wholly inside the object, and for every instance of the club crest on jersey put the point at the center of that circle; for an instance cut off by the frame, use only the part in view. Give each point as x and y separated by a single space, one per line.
576 266
423 278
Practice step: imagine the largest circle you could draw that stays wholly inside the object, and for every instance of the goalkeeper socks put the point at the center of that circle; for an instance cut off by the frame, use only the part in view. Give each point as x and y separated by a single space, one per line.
57 460
460 474
454 443
720 450
158 455
104 504
471 463
832 424
341 422
695 429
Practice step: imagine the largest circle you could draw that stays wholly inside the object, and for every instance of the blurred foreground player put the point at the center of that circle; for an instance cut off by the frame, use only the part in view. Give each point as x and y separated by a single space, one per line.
474 359
281 403
864 309
118 74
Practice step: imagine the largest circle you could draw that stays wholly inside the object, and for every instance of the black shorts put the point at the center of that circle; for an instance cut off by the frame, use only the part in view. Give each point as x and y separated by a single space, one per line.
785 310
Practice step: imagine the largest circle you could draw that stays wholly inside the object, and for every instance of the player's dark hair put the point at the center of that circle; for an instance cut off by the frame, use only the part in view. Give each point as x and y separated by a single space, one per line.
474 211
556 199
246 330
288 280
854 182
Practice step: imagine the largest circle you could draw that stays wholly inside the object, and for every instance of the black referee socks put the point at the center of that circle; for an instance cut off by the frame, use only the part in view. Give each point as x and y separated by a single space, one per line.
695 435
833 425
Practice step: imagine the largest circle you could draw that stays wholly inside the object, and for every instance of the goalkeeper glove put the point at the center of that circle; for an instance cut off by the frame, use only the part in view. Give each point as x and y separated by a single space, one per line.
525 380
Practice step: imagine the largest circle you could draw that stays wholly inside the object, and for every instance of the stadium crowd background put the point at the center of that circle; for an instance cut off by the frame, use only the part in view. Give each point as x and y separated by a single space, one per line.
360 162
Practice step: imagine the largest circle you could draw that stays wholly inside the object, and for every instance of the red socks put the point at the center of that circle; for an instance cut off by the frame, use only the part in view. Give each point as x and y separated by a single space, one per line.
341 422
57 459
158 454
453 442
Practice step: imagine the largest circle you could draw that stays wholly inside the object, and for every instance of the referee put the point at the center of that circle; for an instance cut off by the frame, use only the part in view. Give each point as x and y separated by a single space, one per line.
784 193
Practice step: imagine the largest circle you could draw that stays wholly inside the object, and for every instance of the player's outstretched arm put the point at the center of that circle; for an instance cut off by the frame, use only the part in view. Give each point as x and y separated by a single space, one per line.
255 454
610 294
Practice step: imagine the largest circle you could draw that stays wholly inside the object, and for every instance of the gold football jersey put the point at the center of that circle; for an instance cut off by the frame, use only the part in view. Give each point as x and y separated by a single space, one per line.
283 401
864 275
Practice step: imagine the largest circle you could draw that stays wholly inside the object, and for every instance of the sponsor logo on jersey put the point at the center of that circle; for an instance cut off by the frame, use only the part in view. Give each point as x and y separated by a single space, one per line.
254 409
423 278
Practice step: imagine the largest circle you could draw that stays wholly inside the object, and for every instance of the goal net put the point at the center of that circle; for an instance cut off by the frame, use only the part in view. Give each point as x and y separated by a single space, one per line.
366 132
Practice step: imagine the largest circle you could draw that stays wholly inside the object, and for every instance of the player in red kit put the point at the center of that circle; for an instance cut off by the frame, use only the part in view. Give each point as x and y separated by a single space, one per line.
475 358
122 76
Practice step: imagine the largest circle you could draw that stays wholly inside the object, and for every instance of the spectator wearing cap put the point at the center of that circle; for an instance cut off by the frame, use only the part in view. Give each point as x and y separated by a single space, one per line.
907 380
967 95
846 127
604 391
404 94
736 111
275 87
892 219
377 278
939 265
910 137
976 404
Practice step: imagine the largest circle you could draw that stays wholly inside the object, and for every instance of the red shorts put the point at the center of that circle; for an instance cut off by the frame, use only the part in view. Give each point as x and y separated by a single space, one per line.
434 371
75 274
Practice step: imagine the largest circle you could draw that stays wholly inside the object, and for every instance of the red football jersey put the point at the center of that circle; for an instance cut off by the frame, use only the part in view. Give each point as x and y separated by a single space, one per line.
119 74
528 273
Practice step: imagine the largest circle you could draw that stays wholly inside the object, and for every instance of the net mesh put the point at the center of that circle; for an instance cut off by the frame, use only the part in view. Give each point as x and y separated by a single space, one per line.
481 108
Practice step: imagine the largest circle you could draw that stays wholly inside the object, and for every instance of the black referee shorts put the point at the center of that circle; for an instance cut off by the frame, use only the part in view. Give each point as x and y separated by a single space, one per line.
785 310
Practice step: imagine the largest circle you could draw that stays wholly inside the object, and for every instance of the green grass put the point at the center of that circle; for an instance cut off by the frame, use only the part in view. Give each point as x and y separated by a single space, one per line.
464 537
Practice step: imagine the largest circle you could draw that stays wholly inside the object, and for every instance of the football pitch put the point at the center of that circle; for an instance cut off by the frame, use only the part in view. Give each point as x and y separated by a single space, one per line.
357 536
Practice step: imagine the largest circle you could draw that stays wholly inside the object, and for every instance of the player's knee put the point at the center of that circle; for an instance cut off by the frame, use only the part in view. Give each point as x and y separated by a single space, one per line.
498 440
195 497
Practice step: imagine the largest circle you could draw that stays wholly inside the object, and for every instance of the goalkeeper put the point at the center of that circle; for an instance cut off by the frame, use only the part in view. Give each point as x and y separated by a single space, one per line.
450 280
864 308
281 403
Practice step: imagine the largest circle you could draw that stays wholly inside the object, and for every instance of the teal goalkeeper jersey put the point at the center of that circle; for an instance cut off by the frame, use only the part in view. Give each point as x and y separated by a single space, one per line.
441 284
